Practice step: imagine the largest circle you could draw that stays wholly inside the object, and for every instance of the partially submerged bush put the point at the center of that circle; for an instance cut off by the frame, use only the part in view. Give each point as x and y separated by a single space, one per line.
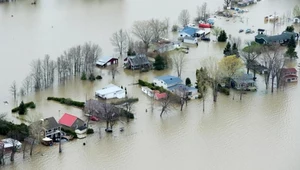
90 131
30 105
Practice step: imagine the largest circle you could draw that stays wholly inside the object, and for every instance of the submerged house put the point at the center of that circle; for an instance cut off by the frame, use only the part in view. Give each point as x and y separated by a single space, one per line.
111 91
282 38
154 93
190 40
71 122
289 75
244 82
189 32
174 85
106 61
139 61
50 128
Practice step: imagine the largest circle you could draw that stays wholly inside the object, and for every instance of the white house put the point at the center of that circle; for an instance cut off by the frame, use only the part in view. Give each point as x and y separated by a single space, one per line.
111 91
147 91
190 40
106 61
166 81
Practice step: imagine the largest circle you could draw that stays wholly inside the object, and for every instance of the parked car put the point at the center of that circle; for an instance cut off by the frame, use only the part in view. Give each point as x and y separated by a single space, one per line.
94 118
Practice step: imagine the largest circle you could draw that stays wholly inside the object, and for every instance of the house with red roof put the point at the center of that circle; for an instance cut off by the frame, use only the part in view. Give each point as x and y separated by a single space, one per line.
289 75
71 122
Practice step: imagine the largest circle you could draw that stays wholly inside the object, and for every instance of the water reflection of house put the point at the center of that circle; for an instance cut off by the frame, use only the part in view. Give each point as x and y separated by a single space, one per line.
71 122
139 61
174 85
289 75
244 82
51 129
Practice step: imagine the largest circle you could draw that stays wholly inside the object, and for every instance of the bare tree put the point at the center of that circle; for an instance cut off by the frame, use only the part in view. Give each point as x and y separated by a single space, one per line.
35 129
119 40
184 17
279 62
227 3
27 84
141 30
201 12
113 71
235 40
37 74
166 104
202 81
13 90
179 61
211 64
158 28
270 55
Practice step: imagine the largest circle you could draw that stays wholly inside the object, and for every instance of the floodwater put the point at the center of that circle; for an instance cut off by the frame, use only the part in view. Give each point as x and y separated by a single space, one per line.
259 132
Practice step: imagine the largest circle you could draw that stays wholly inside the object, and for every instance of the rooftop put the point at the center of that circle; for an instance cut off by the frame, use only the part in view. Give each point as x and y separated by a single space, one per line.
103 60
248 78
111 88
190 30
170 79
67 119
139 59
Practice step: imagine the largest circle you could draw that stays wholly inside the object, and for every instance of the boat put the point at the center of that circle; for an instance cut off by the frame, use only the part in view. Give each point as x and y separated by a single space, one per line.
248 31
205 39
47 141
241 30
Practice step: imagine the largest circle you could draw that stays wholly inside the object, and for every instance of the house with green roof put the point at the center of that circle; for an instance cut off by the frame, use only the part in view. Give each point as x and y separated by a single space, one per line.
282 38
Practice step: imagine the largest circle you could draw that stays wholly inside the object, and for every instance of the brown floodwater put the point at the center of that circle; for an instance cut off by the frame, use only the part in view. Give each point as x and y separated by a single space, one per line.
259 132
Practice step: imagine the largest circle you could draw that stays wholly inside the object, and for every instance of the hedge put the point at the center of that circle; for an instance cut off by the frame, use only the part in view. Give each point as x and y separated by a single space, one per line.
127 114
90 131
151 86
224 90
30 105
67 101
19 131
130 100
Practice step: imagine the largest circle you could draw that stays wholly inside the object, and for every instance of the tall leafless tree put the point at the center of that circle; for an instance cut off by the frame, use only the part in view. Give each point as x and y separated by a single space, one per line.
227 3
184 17
119 40
279 62
141 30
37 74
13 90
27 84
211 64
113 71
166 104
270 55
179 61
158 28
202 13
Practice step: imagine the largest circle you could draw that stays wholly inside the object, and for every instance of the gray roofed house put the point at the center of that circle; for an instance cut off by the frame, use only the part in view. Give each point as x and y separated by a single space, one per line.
50 127
244 82
140 61
282 38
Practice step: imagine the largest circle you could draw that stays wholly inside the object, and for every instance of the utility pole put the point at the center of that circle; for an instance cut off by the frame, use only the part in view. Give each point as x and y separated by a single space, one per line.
59 136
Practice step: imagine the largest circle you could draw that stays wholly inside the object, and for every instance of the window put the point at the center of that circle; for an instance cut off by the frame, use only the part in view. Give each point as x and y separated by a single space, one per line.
293 78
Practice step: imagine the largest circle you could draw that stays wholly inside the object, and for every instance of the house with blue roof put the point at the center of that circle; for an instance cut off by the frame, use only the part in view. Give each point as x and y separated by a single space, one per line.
174 85
189 32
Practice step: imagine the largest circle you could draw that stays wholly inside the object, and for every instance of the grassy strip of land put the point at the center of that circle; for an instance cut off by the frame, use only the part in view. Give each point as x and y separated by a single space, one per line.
30 105
151 86
67 101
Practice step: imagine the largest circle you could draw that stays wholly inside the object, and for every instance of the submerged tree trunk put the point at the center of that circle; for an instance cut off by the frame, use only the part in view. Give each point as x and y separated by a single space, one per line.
203 103
272 83
31 147
12 156
24 149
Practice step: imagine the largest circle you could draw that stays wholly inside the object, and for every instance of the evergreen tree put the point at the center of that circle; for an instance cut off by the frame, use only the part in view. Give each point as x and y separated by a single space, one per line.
227 51
159 63
188 82
22 108
222 37
290 28
291 48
